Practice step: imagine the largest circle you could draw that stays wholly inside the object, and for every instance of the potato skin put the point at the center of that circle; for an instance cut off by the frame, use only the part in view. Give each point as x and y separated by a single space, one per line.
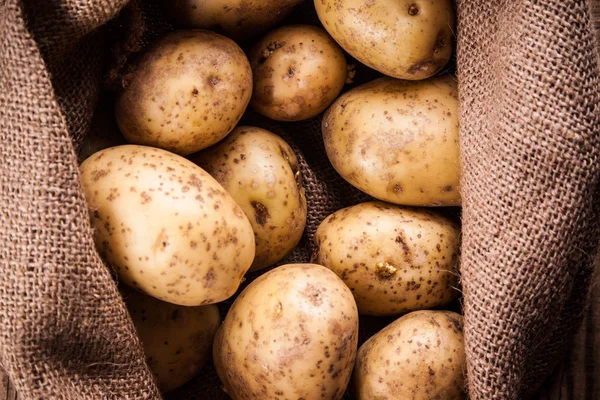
177 340
405 39
398 141
298 72
420 356
292 333
260 171
165 225
237 19
188 92
394 259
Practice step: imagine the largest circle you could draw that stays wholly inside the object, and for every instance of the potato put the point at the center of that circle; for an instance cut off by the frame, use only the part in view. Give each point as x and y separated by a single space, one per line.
398 140
406 39
260 171
187 93
394 259
291 334
177 340
238 19
165 225
420 356
298 72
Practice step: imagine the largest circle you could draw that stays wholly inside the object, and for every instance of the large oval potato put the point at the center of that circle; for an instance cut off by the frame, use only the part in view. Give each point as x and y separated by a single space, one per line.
237 19
187 92
394 259
165 225
291 334
420 356
406 39
260 171
298 72
177 340
397 140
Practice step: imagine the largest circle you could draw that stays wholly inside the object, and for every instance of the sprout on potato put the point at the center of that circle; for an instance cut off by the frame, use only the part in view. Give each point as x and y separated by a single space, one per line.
394 259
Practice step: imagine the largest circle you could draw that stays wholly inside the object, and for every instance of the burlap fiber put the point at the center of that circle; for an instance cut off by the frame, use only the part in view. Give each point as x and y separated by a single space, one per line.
64 331
528 75
530 137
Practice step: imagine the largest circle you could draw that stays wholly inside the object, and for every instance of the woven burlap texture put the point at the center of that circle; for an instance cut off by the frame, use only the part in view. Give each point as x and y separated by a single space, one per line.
530 137
528 76
64 330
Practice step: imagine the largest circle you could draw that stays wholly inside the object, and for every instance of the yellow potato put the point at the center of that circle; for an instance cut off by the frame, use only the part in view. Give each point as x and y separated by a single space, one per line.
398 141
177 340
298 72
260 171
291 334
394 259
420 356
165 225
187 92
237 19
406 39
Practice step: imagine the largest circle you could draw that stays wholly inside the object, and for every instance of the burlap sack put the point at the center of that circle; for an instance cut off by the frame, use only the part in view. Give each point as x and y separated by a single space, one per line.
529 126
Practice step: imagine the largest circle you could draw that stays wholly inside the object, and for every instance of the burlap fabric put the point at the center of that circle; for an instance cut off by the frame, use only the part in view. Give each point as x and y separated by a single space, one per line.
529 129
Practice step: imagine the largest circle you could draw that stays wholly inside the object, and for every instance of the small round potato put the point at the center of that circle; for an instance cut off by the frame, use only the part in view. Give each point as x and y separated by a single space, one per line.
166 226
260 171
394 259
298 72
291 334
187 93
406 39
177 340
237 19
398 141
420 356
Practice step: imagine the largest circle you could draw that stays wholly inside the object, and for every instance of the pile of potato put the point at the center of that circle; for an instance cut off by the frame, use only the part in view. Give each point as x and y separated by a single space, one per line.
195 200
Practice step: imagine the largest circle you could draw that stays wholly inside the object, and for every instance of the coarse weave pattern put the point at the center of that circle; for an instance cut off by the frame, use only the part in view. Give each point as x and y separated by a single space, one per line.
64 330
530 142
528 75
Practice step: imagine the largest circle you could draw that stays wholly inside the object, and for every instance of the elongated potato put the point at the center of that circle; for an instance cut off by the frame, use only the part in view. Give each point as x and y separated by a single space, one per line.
394 259
398 141
260 171
188 91
406 39
291 334
177 340
420 356
298 71
165 225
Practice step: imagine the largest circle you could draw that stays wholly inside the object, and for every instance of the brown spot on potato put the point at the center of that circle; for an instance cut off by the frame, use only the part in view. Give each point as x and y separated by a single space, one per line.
261 212
209 278
313 294
413 9
97 174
